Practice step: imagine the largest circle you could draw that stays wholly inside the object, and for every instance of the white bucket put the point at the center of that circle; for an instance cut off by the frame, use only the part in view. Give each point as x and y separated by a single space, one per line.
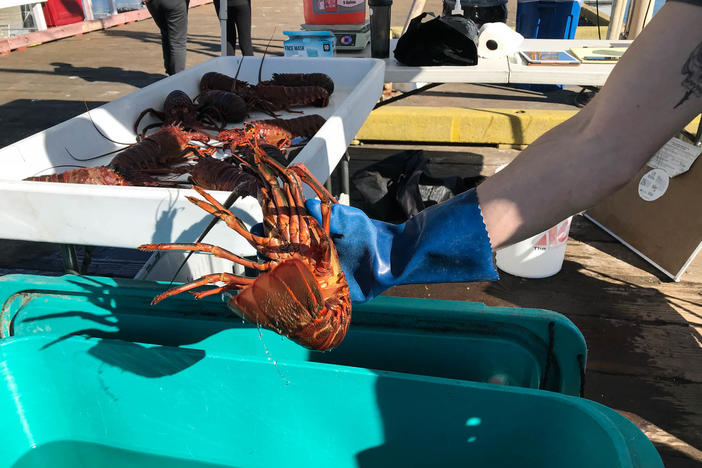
537 257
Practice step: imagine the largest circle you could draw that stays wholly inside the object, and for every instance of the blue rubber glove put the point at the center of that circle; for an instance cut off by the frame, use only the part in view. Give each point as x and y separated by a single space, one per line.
445 243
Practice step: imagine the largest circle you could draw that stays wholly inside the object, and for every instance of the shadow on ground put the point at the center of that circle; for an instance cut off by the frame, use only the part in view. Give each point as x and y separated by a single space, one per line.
135 78
555 95
25 117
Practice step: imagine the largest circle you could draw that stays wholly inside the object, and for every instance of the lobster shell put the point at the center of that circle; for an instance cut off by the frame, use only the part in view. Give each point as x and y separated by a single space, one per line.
302 79
299 310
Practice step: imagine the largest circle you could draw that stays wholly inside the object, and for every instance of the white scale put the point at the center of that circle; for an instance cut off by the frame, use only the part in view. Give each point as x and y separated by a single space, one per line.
348 36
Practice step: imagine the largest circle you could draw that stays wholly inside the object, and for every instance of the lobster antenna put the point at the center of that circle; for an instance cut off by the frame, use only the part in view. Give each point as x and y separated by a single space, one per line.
236 76
265 51
92 157
56 167
98 129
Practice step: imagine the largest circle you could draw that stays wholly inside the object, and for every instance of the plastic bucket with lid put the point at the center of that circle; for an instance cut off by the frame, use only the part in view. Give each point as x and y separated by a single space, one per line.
334 11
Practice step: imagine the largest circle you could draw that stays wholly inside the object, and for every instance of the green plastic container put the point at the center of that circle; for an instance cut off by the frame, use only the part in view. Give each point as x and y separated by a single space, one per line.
109 403
462 340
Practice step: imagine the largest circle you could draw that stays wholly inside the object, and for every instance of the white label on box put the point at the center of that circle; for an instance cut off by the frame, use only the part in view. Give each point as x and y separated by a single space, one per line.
653 184
675 157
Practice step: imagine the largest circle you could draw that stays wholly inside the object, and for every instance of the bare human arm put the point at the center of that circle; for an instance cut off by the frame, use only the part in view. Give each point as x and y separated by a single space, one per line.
655 90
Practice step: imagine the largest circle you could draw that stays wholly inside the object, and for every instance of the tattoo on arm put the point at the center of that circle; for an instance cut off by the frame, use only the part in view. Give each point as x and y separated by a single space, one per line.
692 70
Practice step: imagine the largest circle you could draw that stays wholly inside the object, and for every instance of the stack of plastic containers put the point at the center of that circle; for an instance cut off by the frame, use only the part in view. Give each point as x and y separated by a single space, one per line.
92 375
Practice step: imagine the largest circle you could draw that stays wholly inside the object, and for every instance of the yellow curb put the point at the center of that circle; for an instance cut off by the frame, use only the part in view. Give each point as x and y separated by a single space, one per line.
459 125
467 126
590 32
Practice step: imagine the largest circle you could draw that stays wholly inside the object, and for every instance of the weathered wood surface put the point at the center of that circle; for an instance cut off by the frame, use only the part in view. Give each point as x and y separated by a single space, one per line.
644 331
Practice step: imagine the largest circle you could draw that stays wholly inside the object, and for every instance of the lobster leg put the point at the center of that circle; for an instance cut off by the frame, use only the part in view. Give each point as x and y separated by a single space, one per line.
294 224
211 292
298 203
279 210
213 249
323 194
227 216
233 280
261 244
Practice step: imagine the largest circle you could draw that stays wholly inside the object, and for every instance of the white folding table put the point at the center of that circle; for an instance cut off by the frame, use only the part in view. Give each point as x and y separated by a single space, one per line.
585 74
504 70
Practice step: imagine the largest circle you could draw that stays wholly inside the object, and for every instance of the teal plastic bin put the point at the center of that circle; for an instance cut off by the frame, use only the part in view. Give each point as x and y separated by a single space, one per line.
108 403
461 340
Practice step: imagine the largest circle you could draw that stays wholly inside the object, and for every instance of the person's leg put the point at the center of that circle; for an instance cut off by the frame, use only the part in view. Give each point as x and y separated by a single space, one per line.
177 27
231 30
242 16
158 13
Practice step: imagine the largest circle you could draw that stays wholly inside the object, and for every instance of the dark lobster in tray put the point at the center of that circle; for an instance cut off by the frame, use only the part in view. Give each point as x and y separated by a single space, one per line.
171 153
302 292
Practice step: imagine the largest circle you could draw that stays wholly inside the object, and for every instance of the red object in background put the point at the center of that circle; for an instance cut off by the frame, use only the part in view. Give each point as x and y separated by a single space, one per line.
330 12
60 12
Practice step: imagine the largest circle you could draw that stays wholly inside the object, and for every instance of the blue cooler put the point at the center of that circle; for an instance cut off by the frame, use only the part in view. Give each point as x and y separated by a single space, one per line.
548 20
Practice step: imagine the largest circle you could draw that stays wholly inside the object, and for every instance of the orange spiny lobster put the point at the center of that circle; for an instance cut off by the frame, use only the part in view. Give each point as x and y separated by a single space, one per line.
302 292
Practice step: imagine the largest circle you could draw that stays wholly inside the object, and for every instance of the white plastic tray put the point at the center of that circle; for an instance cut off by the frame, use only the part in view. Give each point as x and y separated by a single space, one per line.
130 216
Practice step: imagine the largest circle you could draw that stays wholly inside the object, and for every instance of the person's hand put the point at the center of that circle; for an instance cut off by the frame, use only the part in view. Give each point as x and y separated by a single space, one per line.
444 243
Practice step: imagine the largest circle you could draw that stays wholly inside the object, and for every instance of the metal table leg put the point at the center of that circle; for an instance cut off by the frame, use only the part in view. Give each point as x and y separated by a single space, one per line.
345 182
407 94
70 259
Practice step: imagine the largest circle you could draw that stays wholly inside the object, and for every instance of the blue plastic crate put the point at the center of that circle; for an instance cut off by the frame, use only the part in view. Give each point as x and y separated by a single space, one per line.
548 20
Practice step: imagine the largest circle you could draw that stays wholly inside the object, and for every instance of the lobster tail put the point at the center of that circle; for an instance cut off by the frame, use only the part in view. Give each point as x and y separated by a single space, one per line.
288 301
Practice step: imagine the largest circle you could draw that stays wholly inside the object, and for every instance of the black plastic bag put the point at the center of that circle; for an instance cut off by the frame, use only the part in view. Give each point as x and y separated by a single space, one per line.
446 40
400 186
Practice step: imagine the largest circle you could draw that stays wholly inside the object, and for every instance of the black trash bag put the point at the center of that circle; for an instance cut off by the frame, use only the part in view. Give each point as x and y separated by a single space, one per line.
446 40
400 186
